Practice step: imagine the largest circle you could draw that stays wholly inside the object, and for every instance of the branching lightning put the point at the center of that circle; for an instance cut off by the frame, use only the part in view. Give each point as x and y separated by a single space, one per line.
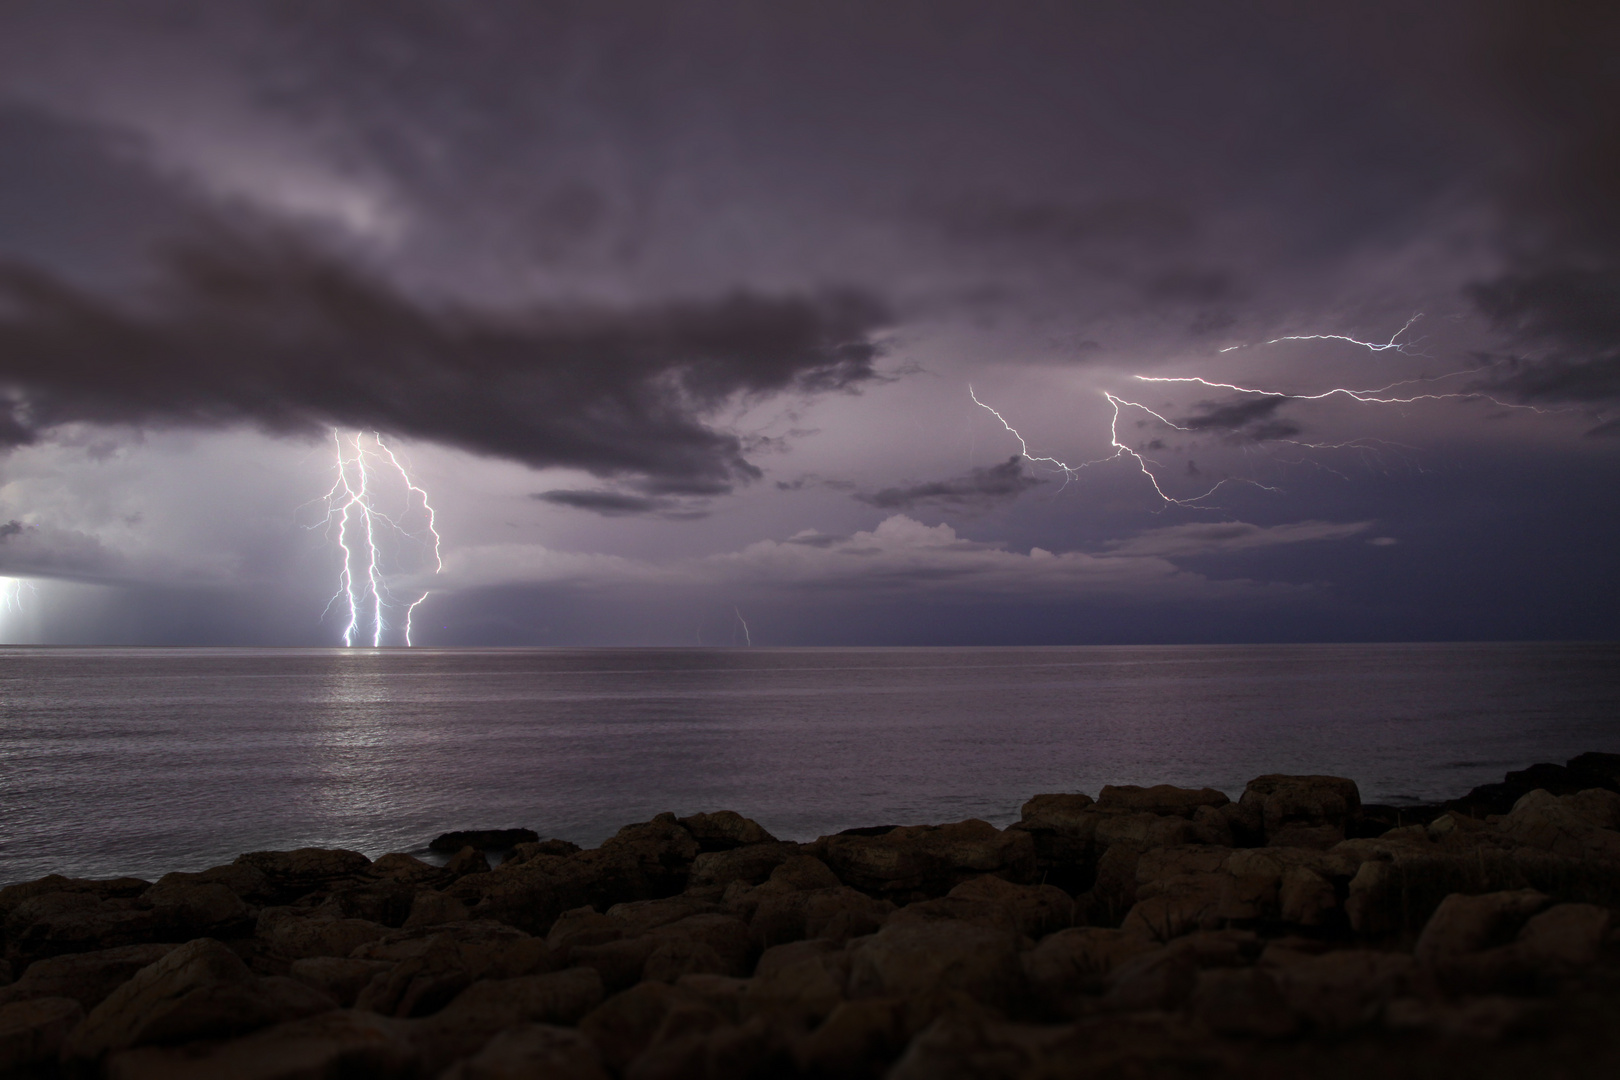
12 591
357 521
1394 341
1389 394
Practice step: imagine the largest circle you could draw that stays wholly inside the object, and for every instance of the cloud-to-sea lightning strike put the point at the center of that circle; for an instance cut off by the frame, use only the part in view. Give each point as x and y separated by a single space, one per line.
1384 395
369 475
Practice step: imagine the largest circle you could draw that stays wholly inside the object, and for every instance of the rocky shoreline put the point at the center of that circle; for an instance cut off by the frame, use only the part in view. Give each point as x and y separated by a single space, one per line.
1146 932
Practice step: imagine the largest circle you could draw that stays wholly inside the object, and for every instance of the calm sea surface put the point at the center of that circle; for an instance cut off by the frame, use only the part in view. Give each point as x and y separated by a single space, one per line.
134 761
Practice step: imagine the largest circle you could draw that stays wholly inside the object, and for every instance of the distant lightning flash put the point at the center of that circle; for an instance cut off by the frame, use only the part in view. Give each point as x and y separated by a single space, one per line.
1385 395
747 637
11 594
1120 451
361 526
1394 341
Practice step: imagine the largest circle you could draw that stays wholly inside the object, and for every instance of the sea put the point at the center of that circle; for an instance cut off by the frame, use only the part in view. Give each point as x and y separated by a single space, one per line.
141 761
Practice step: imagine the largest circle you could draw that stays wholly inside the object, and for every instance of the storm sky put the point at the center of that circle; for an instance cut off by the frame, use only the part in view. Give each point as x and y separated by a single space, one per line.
690 315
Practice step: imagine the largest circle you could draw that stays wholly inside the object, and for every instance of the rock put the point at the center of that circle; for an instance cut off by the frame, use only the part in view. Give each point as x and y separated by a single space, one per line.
927 859
110 889
927 964
625 1025
557 849
1309 808
858 1039
1484 1019
335 1044
645 916
52 924
339 978
1078 961
1468 924
1586 771
469 860
463 1026
190 909
483 839
724 830
752 863
1567 826
292 874
32 1031
406 869
85 977
967 1044
582 926
1061 811
727 936
433 908
1160 799
621 964
532 1050
1241 1001
797 985
1565 937
1036 910
200 990
838 913
1165 977
1342 989
294 935
432 965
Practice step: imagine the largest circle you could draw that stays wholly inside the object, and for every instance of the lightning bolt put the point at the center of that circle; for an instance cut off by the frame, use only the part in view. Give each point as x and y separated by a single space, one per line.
1120 451
1394 341
11 594
747 637
356 520
1390 394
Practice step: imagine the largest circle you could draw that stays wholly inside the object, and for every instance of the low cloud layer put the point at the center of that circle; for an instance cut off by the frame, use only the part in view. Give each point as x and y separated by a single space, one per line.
980 489
266 330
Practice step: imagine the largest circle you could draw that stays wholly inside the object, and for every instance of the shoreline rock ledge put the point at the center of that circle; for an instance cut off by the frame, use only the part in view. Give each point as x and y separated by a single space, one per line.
1142 932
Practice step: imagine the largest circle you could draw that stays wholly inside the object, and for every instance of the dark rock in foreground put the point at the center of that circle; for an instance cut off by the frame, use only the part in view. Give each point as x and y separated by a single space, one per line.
1150 932
483 839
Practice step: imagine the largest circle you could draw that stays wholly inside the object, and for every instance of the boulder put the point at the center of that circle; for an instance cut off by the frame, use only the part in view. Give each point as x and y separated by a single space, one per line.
532 1050
109 889
857 1040
1579 825
339 978
797 985
32 1031
52 924
626 1024
191 909
295 933
930 964
406 869
838 913
1036 910
200 990
433 908
1303 811
483 839
468 1022
1160 799
752 863
292 874
1565 937
1077 961
85 977
724 830
333 1044
927 859
1241 1001
1591 770
553 849
1469 924
432 965
1344 988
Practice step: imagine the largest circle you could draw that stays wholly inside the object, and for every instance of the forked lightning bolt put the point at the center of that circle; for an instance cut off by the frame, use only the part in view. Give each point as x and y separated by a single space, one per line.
1121 451
1385 395
362 529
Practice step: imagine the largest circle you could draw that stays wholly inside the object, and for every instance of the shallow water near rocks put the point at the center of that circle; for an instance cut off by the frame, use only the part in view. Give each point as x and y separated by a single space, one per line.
141 761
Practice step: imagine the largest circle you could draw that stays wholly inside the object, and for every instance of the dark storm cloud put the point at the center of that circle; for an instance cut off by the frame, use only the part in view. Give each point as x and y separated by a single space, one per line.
269 331
621 504
46 551
1249 419
1555 78
980 489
